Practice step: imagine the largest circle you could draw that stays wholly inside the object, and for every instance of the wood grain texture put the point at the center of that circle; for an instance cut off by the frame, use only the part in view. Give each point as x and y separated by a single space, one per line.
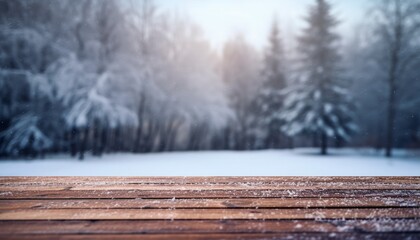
361 202
262 236
207 226
209 207
206 194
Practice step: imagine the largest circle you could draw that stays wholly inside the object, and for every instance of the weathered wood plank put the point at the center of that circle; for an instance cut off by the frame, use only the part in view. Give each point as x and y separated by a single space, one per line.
196 187
251 193
206 180
265 236
207 226
395 202
206 214
209 207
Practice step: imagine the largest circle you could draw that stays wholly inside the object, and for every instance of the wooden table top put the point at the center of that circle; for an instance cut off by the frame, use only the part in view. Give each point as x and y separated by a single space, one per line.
209 207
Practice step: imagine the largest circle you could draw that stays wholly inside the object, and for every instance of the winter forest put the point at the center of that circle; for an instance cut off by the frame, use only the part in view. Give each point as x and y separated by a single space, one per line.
94 77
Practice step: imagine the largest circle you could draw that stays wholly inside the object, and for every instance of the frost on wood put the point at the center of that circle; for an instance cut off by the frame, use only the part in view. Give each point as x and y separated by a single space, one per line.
30 206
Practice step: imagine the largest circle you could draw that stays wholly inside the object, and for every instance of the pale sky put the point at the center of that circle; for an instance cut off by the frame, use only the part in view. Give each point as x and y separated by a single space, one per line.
221 19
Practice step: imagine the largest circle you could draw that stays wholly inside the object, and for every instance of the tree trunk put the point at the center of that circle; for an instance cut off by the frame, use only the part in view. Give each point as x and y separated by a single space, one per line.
137 141
291 143
139 132
394 65
324 144
103 139
226 138
96 142
390 123
315 142
391 104
73 142
117 144
83 143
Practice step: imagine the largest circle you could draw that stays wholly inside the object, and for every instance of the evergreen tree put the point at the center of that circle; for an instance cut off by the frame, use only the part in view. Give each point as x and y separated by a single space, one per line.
319 102
270 100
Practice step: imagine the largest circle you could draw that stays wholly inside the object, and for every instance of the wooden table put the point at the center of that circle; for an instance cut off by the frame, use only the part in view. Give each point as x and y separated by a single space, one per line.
209 208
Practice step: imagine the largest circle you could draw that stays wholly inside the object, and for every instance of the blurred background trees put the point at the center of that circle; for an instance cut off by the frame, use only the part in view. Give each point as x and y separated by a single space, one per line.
109 76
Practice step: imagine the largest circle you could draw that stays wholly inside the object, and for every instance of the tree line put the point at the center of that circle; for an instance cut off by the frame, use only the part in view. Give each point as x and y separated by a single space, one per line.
112 76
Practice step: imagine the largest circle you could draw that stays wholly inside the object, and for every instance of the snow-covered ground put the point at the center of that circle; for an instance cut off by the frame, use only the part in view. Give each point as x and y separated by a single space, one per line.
301 162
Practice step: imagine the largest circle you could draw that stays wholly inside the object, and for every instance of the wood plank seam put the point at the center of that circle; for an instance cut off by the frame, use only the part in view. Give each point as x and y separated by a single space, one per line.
210 207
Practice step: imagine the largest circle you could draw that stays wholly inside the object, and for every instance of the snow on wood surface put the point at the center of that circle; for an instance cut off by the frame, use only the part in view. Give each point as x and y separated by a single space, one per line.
210 207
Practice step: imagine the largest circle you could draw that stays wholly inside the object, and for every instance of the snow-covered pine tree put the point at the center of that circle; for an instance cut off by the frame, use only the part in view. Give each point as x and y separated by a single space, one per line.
319 102
269 102
29 116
